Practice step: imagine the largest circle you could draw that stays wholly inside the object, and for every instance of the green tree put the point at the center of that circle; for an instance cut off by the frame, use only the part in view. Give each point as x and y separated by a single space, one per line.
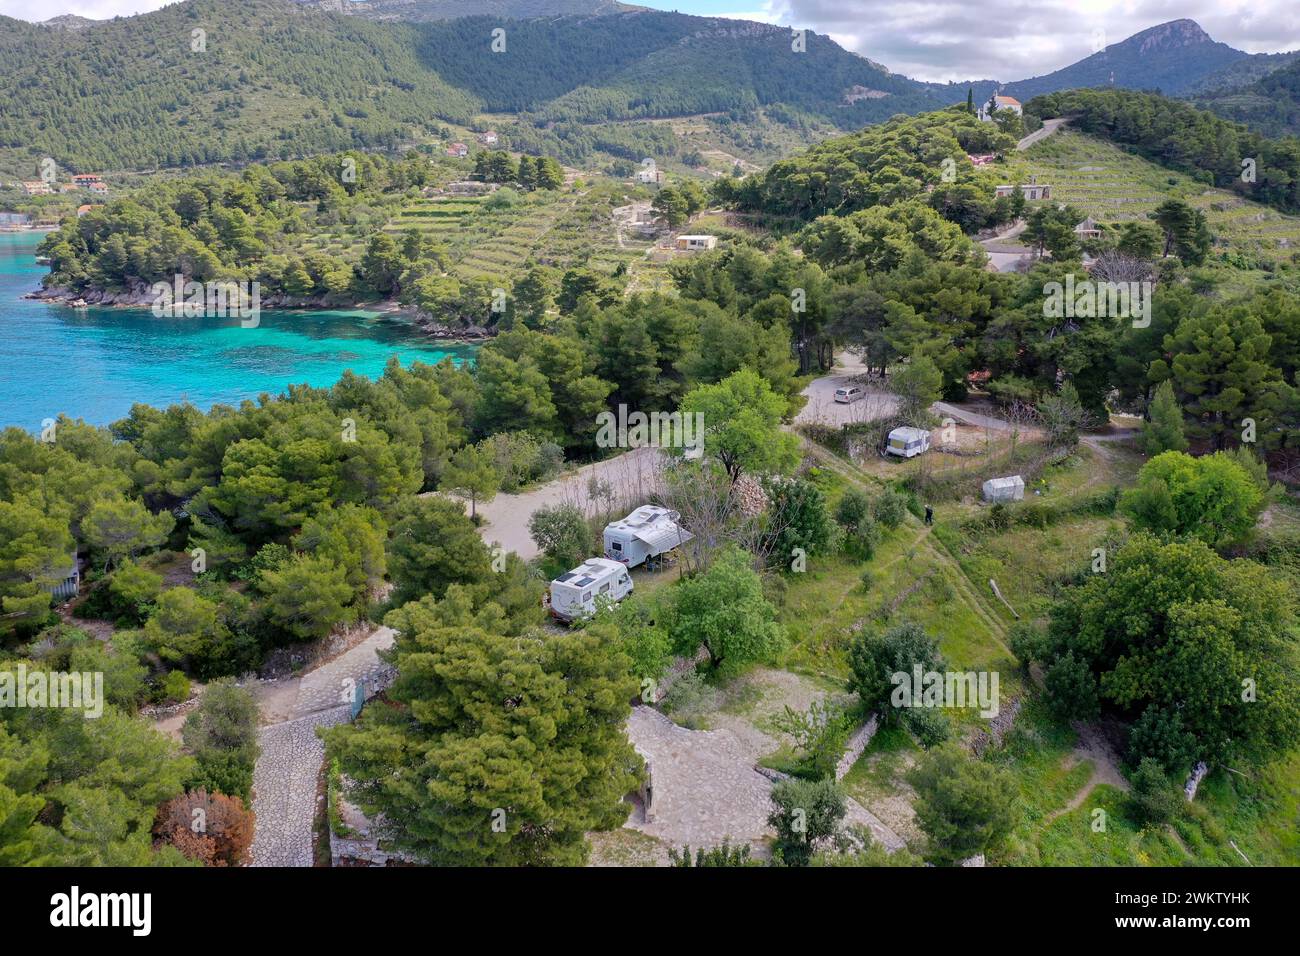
352 537
1212 498
472 474
798 522
1163 431
308 596
724 611
672 206
805 813
1176 636
37 552
964 806
120 528
875 658
434 544
496 748
185 629
1156 799
741 418
918 385
561 532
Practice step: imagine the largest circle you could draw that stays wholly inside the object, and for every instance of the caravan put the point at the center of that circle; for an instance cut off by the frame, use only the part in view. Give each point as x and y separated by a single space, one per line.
646 533
908 442
574 594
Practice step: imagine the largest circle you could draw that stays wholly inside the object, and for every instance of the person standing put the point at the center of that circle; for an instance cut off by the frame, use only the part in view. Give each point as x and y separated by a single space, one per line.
929 515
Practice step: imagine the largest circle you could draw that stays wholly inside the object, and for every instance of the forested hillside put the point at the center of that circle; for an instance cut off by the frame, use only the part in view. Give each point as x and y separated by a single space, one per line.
1270 105
271 79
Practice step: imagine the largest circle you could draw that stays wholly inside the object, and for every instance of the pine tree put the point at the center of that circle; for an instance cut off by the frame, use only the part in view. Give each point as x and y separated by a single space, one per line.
1164 430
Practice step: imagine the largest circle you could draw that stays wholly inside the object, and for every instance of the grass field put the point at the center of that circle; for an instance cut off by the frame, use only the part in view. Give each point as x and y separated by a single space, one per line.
1063 781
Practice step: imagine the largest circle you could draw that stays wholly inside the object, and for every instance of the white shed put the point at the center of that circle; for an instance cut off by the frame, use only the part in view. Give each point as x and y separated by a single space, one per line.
1004 489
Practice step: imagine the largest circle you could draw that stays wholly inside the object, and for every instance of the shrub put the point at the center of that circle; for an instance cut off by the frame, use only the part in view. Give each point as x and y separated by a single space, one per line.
222 734
174 687
1156 799
214 829
890 508
854 508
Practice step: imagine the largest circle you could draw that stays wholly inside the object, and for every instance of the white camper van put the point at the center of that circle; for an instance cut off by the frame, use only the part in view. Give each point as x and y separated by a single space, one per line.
645 533
908 442
574 593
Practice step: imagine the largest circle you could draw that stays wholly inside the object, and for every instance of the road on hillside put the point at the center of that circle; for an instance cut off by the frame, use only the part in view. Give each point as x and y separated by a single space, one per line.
1049 127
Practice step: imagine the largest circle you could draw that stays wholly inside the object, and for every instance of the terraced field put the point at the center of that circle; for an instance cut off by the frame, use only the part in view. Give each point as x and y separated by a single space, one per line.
441 218
1114 186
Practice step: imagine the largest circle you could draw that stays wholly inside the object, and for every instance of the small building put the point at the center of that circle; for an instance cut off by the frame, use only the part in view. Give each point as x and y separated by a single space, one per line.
85 208
908 442
696 243
650 176
86 180
1011 488
458 149
1088 229
37 187
1030 190
573 595
981 159
489 138
996 103
647 532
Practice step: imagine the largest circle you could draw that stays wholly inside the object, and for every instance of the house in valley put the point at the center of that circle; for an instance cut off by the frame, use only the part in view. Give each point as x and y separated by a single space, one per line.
489 138
458 149
37 187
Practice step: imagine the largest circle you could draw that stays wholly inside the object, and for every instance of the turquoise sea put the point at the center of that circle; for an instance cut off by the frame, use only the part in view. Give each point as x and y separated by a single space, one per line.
95 363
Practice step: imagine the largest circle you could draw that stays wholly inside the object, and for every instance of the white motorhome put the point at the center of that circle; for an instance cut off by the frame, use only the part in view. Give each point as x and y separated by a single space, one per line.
574 594
908 442
645 533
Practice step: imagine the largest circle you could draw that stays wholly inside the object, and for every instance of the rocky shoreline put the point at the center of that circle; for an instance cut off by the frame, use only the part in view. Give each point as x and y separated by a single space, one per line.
141 297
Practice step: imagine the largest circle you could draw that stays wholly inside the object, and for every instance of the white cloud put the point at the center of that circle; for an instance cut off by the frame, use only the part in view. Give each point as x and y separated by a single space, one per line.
1016 39
94 9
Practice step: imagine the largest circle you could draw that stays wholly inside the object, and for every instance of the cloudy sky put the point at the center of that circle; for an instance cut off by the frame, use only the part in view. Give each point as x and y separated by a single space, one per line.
938 39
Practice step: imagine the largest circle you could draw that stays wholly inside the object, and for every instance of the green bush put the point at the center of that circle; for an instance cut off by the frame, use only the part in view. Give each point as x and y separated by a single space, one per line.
890 508
174 687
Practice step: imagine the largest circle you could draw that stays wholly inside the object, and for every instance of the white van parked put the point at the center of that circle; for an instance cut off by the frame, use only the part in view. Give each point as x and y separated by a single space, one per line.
647 532
908 442
850 393
573 594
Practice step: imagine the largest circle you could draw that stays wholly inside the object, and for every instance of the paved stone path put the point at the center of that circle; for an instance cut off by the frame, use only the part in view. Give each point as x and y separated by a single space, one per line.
284 781
706 789
284 785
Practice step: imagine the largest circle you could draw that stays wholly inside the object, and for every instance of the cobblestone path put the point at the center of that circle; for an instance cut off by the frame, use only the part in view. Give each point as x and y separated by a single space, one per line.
284 781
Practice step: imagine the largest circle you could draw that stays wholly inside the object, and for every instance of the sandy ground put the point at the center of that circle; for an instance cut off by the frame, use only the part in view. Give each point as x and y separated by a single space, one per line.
822 407
633 474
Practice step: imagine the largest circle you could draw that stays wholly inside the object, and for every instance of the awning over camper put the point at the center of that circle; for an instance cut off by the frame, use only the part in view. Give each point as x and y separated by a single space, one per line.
663 536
